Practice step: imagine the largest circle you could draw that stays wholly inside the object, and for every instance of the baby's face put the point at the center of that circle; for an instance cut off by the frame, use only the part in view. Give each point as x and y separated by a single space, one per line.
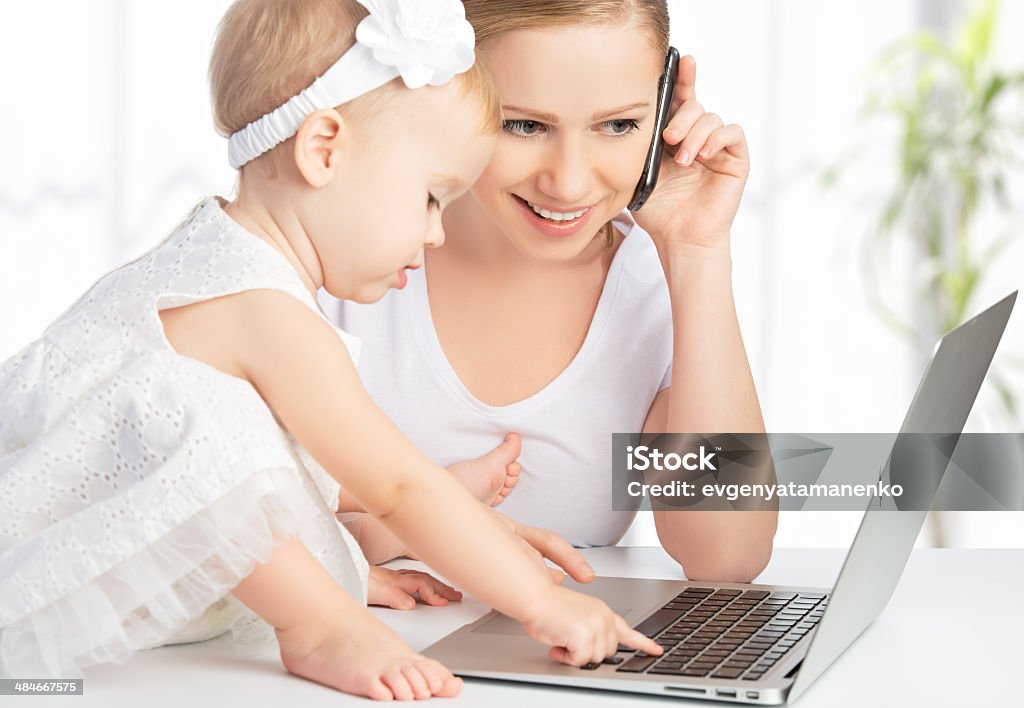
399 172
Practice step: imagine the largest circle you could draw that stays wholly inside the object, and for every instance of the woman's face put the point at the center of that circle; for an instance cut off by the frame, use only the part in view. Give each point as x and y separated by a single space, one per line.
579 107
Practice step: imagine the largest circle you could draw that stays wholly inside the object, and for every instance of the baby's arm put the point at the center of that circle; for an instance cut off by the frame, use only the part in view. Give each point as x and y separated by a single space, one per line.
300 367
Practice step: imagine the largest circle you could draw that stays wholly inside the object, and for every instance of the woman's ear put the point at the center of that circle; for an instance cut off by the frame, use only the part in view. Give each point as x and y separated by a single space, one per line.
318 145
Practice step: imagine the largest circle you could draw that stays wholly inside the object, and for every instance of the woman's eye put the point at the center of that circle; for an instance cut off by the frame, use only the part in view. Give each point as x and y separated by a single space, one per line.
621 126
522 128
432 201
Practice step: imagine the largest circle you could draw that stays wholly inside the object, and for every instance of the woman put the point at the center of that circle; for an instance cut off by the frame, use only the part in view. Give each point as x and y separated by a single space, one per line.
551 314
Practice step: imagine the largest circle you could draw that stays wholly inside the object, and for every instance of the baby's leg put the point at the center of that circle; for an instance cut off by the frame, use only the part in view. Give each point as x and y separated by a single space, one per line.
328 637
492 477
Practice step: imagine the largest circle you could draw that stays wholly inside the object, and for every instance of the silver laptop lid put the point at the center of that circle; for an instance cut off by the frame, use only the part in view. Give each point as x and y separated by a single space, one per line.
885 539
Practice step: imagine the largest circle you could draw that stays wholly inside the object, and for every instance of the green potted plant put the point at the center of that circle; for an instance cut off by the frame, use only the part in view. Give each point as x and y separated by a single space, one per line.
956 143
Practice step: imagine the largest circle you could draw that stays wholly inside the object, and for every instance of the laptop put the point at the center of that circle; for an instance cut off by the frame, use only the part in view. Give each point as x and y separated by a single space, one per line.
760 644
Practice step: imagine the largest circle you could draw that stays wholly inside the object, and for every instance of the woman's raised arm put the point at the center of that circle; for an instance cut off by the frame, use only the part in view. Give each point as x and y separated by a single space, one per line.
689 218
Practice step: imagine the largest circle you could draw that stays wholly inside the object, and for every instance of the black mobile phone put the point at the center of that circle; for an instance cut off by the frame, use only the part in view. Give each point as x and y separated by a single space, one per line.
666 86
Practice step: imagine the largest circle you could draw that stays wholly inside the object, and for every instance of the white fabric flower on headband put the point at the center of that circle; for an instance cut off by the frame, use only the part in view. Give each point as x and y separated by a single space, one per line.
423 41
429 42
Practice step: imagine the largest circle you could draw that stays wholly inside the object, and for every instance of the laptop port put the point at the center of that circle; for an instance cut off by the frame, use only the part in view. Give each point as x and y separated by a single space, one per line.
753 694
725 692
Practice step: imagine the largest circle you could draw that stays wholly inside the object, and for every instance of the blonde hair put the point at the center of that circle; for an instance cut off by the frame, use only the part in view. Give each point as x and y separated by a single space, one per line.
492 18
266 51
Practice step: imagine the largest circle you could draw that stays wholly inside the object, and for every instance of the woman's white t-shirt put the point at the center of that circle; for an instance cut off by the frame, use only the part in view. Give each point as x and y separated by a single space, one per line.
566 428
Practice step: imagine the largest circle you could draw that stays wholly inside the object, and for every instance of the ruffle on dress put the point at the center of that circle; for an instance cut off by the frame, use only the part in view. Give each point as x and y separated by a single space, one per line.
175 590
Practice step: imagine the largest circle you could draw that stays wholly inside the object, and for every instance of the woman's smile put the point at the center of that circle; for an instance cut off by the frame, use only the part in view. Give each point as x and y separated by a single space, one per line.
554 222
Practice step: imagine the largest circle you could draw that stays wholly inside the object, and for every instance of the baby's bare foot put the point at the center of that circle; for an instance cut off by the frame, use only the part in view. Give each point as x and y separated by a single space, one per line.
356 653
492 477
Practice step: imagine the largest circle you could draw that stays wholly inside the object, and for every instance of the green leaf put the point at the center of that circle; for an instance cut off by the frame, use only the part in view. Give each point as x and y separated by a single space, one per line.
994 87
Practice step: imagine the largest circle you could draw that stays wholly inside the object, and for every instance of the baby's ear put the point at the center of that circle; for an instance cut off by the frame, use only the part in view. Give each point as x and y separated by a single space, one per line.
318 145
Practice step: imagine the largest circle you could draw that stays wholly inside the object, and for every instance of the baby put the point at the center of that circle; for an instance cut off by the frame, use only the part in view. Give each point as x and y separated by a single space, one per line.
172 449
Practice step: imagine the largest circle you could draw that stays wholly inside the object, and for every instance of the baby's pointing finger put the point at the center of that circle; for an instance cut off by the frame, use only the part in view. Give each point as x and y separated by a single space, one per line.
559 654
632 638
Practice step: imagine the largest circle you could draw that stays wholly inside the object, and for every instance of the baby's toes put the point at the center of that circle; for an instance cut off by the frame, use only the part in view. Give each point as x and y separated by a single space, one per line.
440 679
371 686
510 482
511 447
452 687
395 680
418 683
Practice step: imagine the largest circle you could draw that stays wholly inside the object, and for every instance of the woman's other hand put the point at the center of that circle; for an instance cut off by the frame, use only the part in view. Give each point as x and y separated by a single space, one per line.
702 175
543 544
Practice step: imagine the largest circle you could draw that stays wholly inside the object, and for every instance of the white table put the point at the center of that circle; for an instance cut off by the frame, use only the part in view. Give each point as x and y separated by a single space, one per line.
952 635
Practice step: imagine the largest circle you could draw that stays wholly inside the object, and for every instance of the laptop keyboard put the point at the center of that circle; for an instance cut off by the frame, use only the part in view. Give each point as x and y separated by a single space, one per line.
724 634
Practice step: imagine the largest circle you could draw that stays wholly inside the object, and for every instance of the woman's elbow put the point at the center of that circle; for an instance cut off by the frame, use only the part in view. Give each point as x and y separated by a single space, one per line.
727 564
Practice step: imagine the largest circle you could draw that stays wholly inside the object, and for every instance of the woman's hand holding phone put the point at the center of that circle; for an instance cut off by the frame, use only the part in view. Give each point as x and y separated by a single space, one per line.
703 172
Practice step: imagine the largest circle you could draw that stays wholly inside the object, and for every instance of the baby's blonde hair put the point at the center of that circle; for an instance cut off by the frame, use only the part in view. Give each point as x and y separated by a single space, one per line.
266 51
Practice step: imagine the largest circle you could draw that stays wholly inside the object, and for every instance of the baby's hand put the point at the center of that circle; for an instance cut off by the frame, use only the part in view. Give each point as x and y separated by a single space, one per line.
582 629
395 589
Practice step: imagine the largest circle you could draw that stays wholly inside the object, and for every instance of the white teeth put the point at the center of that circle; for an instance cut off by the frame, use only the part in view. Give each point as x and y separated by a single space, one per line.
557 215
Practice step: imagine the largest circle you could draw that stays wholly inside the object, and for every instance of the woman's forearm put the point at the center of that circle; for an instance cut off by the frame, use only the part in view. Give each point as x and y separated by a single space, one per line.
712 392
712 386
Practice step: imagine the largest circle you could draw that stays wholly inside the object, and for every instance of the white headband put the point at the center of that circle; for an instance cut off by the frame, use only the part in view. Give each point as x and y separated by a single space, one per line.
423 41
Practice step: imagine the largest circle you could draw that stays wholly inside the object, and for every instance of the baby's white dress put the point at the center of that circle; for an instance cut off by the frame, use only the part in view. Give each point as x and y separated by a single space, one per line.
139 486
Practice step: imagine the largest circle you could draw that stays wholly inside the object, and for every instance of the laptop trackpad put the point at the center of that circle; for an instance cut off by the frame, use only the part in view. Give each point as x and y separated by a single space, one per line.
502 624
